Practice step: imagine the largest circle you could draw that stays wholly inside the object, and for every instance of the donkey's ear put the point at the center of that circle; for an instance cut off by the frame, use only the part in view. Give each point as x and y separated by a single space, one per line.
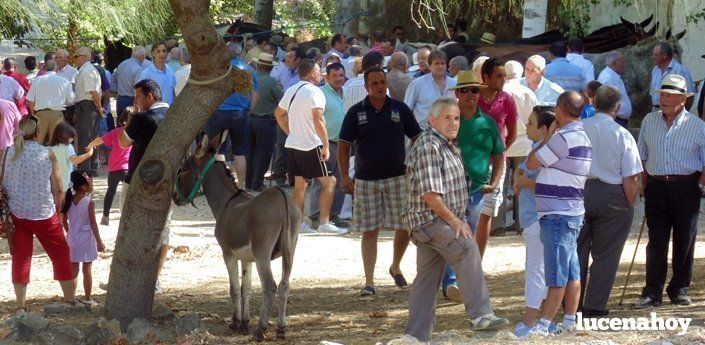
680 35
218 140
202 147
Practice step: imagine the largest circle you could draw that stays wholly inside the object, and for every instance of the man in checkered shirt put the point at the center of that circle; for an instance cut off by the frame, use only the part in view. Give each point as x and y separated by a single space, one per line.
435 208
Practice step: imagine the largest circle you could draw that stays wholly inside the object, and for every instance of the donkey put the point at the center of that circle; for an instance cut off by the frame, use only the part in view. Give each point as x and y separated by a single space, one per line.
248 229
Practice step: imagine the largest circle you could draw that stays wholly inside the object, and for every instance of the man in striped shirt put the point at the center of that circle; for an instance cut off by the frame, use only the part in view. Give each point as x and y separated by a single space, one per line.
672 148
564 161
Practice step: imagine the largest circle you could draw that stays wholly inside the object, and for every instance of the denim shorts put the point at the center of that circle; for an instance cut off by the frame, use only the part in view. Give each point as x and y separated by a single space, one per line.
559 235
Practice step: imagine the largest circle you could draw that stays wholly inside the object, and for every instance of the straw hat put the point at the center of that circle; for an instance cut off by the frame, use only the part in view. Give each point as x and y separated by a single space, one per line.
265 59
488 38
675 84
467 79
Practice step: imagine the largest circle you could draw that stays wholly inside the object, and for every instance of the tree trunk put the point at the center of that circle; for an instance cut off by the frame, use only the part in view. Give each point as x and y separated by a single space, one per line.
72 38
133 271
264 12
534 17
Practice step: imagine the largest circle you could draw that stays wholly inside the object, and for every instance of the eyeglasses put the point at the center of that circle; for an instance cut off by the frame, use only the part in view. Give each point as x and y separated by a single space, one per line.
469 89
79 55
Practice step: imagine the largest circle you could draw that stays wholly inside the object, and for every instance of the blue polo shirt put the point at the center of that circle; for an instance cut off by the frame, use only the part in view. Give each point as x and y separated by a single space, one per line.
238 101
165 79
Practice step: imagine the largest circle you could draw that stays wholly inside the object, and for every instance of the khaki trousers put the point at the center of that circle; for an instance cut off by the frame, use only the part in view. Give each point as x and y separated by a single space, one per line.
436 245
48 119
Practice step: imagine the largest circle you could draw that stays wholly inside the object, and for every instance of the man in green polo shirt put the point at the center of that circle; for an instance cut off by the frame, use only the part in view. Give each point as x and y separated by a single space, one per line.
334 113
480 145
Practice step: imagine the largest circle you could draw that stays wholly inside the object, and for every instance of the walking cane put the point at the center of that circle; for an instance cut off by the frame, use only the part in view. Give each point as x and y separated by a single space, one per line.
624 290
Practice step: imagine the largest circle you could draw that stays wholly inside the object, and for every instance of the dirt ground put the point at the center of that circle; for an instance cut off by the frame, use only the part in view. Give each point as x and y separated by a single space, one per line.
325 282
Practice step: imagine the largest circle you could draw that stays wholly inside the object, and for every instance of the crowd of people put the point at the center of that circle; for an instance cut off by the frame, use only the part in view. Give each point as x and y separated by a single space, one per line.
385 139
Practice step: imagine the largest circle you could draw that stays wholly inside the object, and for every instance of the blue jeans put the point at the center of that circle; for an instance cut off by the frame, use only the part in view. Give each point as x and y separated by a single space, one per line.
262 137
472 218
122 103
235 121
559 235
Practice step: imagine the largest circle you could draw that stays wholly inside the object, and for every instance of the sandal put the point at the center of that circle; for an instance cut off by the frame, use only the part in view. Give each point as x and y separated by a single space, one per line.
88 303
399 280
367 294
21 310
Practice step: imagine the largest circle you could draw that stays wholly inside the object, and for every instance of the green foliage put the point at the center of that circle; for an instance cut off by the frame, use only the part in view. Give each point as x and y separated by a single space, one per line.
317 15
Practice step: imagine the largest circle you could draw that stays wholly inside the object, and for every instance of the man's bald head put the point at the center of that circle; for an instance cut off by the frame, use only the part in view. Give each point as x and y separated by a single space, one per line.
398 61
570 103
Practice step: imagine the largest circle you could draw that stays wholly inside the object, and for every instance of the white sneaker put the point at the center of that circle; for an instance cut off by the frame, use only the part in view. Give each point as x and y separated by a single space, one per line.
331 228
305 229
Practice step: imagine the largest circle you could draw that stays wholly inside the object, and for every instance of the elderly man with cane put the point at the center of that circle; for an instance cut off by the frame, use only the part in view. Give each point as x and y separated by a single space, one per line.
610 195
672 149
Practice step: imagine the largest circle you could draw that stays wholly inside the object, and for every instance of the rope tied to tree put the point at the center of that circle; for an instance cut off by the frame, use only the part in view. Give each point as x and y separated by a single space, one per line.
210 81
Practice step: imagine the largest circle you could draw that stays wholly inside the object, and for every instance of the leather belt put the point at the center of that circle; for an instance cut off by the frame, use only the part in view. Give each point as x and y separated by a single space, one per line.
671 178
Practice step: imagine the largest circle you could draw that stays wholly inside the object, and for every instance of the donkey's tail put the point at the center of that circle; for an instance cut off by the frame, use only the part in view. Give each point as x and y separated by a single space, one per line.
287 238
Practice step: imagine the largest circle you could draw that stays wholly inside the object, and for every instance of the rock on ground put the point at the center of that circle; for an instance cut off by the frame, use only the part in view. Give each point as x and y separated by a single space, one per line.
102 332
189 324
62 335
140 330
26 325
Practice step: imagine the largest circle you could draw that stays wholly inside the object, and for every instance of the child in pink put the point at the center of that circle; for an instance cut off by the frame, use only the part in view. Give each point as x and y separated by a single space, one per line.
117 163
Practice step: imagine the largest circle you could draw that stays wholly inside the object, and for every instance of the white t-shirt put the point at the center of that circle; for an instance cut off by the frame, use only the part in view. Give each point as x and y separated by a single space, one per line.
302 132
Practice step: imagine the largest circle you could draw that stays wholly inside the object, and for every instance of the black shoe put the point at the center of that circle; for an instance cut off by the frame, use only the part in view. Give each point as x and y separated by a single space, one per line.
681 299
594 313
399 279
647 302
498 232
340 222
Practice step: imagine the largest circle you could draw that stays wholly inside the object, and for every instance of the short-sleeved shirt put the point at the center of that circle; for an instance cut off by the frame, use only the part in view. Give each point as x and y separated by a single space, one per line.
238 101
614 151
10 89
88 80
422 92
10 120
334 111
565 74
547 92
503 110
657 75
565 160
63 154
165 79
434 167
27 181
378 136
140 130
119 157
270 92
678 150
588 112
302 132
479 140
527 200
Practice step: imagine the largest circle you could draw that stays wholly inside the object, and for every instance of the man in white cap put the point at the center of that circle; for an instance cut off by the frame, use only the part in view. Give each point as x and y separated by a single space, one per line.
546 91
672 149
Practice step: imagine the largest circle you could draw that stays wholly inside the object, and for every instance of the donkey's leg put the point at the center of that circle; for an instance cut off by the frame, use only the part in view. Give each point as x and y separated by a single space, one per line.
233 273
246 289
287 263
269 288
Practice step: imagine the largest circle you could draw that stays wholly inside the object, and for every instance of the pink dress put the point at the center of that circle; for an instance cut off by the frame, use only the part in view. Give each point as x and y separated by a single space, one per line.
119 157
80 235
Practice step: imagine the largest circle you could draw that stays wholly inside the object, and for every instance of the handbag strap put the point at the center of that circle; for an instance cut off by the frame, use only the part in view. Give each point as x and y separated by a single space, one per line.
4 159
290 101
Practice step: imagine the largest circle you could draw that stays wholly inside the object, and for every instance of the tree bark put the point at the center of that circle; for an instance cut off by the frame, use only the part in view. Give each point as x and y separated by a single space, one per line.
535 12
133 271
264 12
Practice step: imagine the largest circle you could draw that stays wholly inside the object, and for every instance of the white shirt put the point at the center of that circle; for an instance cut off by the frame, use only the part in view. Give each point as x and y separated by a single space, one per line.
421 94
88 80
302 132
674 67
354 92
28 184
50 92
69 73
609 77
10 89
547 92
615 154
585 65
181 78
525 100
349 65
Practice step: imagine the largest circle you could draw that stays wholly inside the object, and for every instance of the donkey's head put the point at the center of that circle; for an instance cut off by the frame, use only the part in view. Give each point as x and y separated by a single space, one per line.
189 179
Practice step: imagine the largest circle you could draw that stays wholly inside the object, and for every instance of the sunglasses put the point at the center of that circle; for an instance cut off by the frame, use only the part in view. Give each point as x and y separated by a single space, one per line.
469 89
79 55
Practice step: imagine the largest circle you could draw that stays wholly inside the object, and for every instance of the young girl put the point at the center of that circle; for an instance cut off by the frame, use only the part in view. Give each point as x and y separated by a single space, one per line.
81 229
60 143
535 289
117 163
